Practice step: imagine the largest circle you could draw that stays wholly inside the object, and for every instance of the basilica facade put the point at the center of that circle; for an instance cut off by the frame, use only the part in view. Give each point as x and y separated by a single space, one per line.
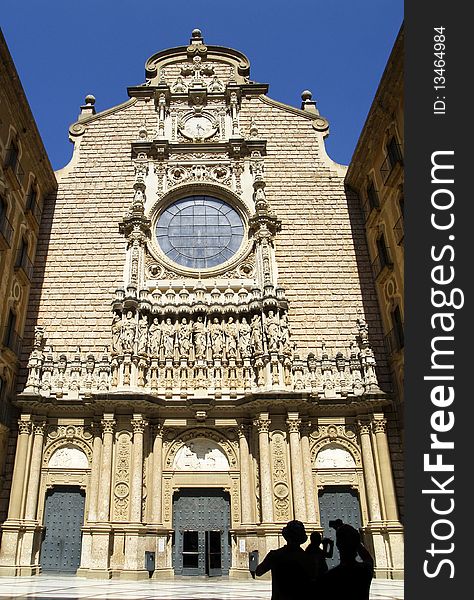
204 356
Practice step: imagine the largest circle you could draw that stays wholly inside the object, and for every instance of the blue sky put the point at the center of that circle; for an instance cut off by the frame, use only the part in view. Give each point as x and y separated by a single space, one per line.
66 49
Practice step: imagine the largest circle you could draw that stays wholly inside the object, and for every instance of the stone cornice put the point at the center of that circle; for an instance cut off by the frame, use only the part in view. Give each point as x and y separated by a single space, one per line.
77 128
319 122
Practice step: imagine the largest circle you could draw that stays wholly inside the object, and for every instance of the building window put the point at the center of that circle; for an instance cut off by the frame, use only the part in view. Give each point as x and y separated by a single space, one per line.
399 227
393 157
6 230
372 201
396 337
10 338
32 205
199 232
23 263
12 155
394 152
12 161
383 258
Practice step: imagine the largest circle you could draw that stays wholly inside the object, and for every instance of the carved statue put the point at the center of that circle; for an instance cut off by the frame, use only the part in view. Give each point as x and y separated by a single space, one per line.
154 338
256 338
168 336
184 338
127 336
199 338
217 338
230 330
216 85
179 86
116 334
142 335
285 335
245 332
272 332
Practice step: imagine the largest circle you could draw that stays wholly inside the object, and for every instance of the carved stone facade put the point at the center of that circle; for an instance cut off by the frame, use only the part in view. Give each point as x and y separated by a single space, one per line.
216 333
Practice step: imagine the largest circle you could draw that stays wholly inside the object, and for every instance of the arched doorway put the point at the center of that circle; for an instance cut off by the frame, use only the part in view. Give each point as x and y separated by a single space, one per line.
63 515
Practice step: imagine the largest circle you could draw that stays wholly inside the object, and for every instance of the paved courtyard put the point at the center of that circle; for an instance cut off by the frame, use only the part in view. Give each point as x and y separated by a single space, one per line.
65 588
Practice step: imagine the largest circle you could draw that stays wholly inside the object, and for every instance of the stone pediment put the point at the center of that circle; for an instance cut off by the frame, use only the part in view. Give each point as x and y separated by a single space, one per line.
198 61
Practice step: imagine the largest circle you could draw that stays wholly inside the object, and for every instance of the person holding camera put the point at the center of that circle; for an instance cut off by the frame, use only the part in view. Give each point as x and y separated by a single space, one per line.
351 579
291 566
318 555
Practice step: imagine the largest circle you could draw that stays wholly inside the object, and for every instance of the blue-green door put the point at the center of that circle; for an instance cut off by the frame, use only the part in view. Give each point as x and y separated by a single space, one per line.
338 502
63 520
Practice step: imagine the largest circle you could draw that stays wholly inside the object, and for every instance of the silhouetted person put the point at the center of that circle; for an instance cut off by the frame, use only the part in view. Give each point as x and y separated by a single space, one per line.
291 567
351 579
318 555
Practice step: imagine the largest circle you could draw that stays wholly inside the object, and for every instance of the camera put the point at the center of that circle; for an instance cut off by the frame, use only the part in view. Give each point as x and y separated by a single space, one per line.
335 524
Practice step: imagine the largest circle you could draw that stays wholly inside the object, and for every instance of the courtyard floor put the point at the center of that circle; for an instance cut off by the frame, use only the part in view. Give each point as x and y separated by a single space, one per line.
66 588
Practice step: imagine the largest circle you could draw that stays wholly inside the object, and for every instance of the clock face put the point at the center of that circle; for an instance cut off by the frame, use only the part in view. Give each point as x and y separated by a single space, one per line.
198 128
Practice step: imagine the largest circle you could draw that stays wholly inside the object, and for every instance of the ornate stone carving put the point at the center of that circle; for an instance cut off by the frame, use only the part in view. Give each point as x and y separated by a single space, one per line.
121 499
262 425
379 425
68 457
280 477
293 425
24 427
334 456
200 455
211 439
108 425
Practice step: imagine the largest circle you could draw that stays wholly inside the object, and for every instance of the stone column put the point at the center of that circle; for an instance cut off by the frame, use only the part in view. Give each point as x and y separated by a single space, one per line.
388 487
312 505
19 471
103 504
95 475
297 477
35 471
156 489
246 508
266 492
136 487
369 472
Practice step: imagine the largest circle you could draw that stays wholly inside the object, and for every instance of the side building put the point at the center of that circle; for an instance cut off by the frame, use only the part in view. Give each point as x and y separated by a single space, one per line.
376 174
26 178
205 354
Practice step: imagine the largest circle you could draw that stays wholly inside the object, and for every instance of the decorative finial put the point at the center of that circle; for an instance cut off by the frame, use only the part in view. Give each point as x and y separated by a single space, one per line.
196 38
87 109
307 102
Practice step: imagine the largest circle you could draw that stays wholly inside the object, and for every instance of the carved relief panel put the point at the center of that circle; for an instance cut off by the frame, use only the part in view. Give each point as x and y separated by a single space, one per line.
121 479
280 477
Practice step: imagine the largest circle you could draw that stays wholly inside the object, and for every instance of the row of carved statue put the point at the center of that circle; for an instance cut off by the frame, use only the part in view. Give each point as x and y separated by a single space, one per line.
201 337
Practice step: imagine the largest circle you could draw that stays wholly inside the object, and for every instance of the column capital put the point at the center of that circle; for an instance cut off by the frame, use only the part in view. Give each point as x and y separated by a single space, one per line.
243 430
293 425
39 426
108 425
363 426
262 424
24 426
158 429
138 424
379 425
